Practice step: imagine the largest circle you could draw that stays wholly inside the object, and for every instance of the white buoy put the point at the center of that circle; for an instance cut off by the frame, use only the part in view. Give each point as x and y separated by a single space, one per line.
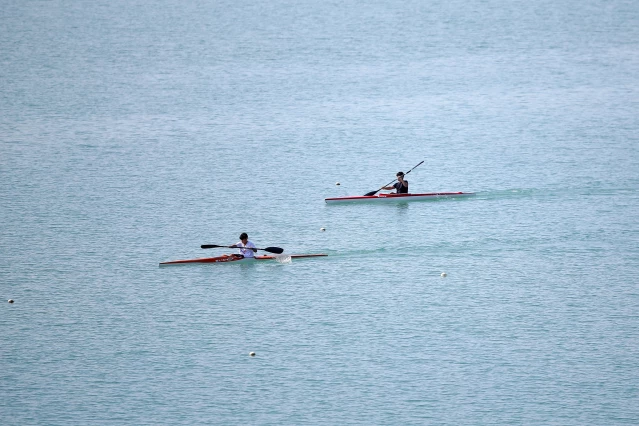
337 183
322 229
10 300
251 353
444 274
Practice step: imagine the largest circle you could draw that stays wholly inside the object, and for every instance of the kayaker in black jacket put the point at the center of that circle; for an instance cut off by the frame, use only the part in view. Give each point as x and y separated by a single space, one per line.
400 187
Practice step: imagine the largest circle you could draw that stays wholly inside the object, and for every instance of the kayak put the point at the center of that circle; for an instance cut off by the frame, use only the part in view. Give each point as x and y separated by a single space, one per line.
397 197
229 258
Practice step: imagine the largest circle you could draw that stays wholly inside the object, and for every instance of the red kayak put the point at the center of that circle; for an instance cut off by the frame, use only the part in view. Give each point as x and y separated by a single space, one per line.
383 198
234 258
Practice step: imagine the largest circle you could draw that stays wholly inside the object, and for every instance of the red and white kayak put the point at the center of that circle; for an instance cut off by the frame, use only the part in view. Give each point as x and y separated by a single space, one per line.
230 258
381 198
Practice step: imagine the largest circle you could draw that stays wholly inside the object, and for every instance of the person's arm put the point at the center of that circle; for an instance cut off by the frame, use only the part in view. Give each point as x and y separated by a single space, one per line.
247 247
390 188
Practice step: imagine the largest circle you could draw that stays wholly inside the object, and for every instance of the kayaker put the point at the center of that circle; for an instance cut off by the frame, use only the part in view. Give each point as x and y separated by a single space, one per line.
401 186
247 248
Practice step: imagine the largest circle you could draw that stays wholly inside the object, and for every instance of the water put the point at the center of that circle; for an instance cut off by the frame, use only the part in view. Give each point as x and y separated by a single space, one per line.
133 132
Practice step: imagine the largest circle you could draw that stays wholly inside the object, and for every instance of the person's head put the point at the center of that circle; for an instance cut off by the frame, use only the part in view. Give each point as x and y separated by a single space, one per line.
243 236
400 175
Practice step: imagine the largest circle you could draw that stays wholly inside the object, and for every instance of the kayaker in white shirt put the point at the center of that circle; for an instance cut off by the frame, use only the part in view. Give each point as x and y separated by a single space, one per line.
247 248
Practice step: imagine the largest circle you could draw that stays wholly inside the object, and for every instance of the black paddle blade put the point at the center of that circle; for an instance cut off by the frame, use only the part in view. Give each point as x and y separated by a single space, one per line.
368 194
205 246
276 250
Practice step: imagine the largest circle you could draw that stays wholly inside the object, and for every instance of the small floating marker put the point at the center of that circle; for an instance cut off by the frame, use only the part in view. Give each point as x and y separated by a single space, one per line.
251 353
337 183
10 300
322 229
444 274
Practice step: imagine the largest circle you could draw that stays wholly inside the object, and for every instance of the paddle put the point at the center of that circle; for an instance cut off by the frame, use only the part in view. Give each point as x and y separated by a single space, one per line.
276 250
368 194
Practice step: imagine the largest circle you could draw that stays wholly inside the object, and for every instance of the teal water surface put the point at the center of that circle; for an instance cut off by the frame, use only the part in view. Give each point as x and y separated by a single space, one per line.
133 132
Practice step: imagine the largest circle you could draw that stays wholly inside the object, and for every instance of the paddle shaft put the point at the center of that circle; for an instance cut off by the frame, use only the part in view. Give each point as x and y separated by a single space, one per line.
276 250
368 194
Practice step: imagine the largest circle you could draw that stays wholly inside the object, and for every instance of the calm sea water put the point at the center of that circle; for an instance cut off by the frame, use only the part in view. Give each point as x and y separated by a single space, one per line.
133 132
